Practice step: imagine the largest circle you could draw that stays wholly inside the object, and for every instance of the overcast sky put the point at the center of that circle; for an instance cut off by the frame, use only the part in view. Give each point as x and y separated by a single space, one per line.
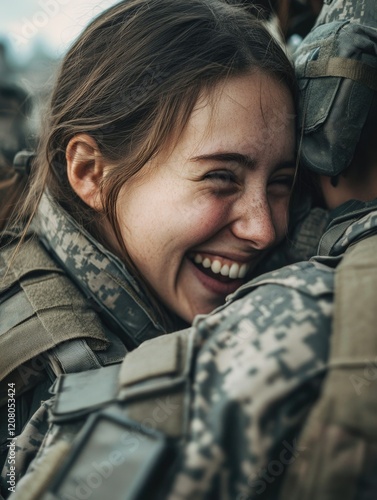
53 23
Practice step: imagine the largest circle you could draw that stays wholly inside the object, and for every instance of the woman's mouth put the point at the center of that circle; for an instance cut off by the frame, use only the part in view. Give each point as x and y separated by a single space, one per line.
218 267
222 276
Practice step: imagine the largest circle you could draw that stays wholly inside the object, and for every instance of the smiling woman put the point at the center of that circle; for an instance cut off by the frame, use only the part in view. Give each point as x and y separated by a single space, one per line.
163 175
173 147
216 201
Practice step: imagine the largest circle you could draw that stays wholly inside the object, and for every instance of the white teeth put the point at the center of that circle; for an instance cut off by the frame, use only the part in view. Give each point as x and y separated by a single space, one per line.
234 270
206 263
243 270
225 270
198 259
216 266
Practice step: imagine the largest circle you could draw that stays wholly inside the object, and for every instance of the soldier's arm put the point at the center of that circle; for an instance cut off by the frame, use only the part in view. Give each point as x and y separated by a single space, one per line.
256 369
257 374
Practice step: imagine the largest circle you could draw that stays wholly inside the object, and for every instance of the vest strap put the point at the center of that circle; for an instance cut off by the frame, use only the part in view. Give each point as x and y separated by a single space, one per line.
344 68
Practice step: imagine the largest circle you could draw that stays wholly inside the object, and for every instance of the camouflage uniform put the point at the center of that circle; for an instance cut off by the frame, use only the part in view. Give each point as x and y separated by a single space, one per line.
257 363
115 304
101 276
112 302
256 370
262 359
342 10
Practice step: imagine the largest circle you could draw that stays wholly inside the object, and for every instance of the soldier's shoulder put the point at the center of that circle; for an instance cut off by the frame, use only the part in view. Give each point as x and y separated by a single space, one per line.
310 278
290 305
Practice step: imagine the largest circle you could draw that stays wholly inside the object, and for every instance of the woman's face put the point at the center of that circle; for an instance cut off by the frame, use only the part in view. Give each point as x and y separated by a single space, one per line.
198 219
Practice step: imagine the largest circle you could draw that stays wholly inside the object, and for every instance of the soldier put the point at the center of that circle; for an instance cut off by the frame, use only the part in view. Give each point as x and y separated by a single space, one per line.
229 396
15 109
164 175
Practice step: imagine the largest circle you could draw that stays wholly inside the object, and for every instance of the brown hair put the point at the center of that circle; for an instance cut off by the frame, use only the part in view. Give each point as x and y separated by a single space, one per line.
132 78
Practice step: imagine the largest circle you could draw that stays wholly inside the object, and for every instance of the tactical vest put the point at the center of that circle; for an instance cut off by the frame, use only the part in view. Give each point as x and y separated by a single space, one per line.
126 422
339 438
42 312
46 328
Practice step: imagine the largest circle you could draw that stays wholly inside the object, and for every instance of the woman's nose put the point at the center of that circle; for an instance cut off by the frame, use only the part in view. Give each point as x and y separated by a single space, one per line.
253 222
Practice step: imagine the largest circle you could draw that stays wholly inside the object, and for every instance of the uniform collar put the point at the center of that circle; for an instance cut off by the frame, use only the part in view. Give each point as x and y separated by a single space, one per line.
349 223
100 275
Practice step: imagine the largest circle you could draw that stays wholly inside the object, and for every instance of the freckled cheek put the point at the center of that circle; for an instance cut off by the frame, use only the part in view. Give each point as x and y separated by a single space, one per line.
211 216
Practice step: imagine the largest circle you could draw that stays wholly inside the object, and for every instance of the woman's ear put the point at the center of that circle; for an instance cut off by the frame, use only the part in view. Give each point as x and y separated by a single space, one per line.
85 169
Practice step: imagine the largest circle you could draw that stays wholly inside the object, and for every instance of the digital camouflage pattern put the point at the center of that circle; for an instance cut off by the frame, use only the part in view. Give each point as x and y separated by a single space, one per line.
359 228
360 11
251 356
256 353
257 370
99 274
36 427
260 368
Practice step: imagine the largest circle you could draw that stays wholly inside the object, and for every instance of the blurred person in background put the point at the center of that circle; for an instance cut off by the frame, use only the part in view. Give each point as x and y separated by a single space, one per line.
15 109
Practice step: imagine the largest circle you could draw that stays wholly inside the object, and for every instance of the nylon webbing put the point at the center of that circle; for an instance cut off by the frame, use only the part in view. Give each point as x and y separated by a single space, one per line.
331 237
344 68
75 356
15 310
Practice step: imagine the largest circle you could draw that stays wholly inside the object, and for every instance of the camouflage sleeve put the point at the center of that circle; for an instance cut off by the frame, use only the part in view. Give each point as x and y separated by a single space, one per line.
258 370
343 10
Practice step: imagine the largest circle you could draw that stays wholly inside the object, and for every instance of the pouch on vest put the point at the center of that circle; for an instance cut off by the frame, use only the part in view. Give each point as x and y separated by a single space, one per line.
129 420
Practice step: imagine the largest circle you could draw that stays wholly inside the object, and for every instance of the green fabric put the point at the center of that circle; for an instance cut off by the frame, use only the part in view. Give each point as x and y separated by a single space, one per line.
18 262
340 436
154 383
336 67
82 392
56 311
151 360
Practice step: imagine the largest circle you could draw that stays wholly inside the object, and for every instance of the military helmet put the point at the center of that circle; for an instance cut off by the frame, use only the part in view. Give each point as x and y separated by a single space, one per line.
336 68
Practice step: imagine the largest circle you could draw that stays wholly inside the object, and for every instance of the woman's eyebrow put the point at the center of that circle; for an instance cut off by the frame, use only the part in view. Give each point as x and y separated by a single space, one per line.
244 160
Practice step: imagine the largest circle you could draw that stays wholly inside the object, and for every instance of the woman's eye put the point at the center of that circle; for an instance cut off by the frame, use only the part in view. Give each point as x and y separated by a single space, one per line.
282 183
223 176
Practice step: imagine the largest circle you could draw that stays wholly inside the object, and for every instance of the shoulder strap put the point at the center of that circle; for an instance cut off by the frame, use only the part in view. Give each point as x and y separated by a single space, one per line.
339 437
344 68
